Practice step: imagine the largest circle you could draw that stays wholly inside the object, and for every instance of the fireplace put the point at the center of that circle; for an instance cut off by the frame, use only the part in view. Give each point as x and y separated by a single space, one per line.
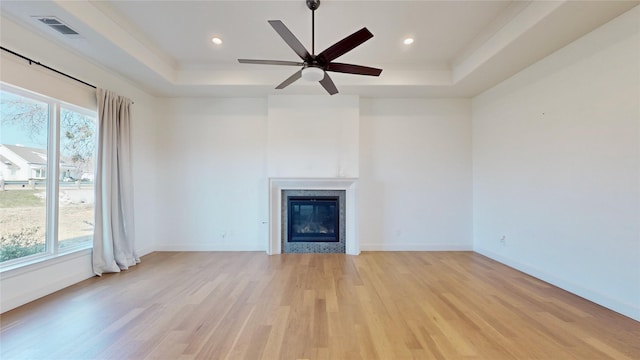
345 188
313 219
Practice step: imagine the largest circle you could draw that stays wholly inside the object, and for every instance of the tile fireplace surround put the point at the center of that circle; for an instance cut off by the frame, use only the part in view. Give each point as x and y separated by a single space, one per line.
276 185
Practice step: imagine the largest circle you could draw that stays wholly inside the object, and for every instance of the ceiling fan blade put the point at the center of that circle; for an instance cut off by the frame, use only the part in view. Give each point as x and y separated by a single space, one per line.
290 39
345 45
270 62
353 69
328 84
290 80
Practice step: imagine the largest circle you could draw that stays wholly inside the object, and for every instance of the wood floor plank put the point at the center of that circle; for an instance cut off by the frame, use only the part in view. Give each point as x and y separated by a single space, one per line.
379 305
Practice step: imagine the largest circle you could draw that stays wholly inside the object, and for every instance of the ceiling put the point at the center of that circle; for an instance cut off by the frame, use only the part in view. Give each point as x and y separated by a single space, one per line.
461 47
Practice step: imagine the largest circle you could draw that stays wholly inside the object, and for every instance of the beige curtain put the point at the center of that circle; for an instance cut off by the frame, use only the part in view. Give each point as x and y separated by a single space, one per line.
113 241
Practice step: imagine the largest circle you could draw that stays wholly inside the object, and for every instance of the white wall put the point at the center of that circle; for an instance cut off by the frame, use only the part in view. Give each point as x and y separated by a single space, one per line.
29 283
212 186
415 174
313 136
413 159
557 167
219 153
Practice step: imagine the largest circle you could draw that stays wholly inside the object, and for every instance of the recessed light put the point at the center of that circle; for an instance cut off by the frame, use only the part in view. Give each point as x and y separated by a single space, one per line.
216 40
408 41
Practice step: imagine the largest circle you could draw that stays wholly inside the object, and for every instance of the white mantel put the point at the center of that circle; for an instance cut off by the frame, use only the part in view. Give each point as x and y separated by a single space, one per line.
276 185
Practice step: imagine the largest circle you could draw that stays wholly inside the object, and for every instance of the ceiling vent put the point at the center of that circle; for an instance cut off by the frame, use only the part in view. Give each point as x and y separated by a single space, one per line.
57 25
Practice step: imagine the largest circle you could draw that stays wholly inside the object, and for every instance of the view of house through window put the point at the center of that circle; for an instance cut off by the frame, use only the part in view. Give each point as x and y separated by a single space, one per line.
35 131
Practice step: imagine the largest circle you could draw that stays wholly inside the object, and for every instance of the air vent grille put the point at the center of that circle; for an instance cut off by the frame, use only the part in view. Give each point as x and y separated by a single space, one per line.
57 25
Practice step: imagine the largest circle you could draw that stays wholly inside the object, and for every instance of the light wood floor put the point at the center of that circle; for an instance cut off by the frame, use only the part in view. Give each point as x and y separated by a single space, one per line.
379 305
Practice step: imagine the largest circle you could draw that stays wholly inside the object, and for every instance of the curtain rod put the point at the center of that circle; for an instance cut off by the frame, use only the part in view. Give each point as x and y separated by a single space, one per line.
31 61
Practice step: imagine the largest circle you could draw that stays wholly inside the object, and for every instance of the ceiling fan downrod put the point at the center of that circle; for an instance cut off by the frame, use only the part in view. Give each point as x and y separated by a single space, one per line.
313 5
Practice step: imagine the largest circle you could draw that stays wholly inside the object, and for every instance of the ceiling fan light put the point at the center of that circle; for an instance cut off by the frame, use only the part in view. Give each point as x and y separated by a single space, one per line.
312 73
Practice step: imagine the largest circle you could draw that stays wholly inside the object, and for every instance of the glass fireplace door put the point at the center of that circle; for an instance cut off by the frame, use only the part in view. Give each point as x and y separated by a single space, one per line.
313 219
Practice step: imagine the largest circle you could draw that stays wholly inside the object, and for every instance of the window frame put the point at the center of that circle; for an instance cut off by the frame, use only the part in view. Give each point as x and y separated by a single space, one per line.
53 171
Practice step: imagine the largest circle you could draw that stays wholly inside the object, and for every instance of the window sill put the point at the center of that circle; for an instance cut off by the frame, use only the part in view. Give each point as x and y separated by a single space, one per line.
42 262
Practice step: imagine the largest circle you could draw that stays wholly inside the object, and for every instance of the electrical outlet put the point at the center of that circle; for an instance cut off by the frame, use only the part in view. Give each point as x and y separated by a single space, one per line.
503 240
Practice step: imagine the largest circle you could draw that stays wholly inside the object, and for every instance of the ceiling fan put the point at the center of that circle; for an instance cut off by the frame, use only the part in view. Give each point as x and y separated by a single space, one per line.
315 67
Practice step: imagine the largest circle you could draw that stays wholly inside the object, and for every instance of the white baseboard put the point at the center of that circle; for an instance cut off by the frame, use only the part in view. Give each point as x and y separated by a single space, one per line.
363 247
208 247
415 247
630 310
145 251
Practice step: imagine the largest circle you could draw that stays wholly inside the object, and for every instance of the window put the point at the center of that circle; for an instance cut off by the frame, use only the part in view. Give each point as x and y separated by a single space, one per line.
47 152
